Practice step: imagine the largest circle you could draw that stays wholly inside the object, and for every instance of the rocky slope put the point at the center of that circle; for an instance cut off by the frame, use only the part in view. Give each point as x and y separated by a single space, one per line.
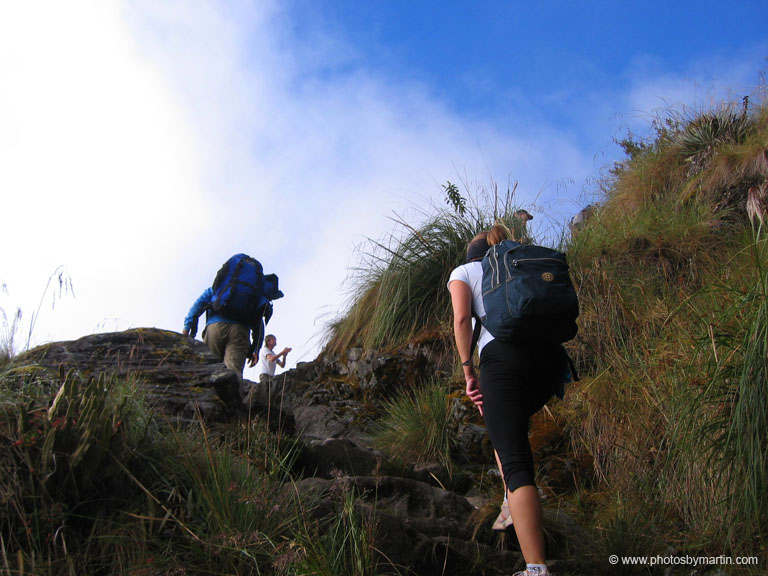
425 517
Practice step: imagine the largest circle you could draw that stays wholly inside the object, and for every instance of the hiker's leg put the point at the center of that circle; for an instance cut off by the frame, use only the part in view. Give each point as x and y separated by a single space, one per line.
237 345
215 339
527 519
504 519
505 409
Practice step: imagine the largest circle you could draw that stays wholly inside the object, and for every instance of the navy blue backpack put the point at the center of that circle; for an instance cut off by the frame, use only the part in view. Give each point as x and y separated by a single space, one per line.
528 294
242 292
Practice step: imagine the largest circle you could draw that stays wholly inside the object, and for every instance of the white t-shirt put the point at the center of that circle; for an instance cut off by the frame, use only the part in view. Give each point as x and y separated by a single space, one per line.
472 275
265 366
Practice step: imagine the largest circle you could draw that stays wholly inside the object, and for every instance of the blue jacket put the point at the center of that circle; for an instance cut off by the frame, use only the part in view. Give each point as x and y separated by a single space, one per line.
203 304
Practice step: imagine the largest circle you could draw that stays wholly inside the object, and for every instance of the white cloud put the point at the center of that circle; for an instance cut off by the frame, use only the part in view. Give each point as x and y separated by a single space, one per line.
98 165
653 91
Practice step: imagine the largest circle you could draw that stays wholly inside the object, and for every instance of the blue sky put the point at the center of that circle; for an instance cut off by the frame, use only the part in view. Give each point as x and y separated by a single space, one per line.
523 63
144 142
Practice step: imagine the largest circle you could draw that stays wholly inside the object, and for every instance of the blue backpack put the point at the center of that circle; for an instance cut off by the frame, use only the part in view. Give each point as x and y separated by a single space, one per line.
242 292
528 294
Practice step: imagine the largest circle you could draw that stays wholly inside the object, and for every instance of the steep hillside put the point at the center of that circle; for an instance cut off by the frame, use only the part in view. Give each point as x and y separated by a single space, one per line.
664 436
672 270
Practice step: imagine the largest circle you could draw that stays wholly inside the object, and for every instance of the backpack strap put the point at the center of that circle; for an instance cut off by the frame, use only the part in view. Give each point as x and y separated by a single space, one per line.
257 337
475 335
572 366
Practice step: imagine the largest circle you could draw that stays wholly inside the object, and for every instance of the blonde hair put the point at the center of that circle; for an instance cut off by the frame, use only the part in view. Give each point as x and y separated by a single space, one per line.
485 239
498 233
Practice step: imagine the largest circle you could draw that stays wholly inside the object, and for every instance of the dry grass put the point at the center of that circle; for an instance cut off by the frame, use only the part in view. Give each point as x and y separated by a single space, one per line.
672 227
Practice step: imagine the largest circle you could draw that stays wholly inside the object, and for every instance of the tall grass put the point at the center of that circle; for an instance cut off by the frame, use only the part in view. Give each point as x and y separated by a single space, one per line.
720 433
58 286
236 513
341 545
417 426
62 465
672 343
399 286
10 329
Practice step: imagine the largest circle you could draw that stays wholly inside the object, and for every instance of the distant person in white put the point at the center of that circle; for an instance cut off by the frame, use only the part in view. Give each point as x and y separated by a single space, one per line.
268 360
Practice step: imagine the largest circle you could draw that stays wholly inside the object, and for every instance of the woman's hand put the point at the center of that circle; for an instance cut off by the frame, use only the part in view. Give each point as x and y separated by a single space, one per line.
473 391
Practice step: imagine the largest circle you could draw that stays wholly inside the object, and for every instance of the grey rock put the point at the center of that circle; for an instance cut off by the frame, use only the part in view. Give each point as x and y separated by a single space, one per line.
424 528
181 377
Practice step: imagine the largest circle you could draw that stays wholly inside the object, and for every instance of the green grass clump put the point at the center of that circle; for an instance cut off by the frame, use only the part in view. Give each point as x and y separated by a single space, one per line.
719 433
417 426
62 467
342 544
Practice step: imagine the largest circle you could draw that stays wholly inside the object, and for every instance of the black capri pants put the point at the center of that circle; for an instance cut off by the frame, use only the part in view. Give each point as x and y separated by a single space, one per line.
516 381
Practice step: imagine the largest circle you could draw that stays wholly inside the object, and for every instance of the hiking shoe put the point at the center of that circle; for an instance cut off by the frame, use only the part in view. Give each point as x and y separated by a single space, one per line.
504 520
530 573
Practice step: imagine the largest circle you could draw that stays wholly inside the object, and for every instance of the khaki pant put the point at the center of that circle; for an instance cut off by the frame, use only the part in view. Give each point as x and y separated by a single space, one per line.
230 342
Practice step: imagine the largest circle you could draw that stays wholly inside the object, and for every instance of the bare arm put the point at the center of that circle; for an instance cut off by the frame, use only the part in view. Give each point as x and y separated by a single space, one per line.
279 358
461 300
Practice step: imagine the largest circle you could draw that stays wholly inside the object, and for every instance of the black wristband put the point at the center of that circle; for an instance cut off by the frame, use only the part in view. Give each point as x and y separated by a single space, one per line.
467 363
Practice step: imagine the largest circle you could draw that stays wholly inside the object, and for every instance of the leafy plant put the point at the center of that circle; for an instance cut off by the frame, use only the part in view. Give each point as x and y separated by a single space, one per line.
454 198
708 130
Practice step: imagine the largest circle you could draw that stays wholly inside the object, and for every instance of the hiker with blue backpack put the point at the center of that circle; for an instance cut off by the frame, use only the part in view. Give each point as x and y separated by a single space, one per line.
237 306
524 307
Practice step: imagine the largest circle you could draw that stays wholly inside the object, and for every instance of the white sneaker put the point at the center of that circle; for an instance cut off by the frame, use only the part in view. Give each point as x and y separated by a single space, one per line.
527 572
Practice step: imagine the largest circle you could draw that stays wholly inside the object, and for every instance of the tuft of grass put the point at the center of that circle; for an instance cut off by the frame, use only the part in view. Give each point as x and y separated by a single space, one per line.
706 131
417 426
628 531
10 329
61 473
400 288
343 544
94 483
236 510
58 286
